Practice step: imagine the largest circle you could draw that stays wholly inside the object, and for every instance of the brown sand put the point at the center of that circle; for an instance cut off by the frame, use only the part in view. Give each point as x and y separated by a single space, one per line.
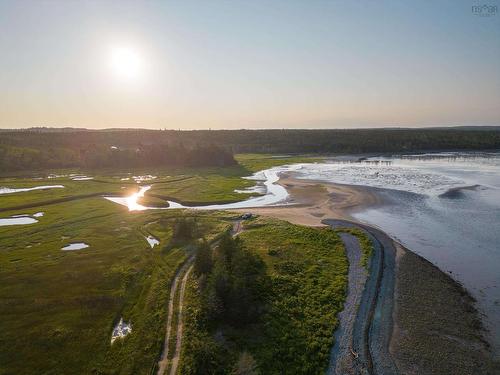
311 201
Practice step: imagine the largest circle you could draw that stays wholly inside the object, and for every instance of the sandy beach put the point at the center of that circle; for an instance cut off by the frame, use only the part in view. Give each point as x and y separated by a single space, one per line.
311 201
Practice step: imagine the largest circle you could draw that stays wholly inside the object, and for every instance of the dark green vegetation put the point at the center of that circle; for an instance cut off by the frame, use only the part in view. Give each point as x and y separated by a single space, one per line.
271 308
58 308
230 287
39 149
184 230
91 155
439 331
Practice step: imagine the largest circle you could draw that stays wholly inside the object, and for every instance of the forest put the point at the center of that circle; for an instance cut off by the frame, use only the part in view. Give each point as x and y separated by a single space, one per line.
43 148
93 156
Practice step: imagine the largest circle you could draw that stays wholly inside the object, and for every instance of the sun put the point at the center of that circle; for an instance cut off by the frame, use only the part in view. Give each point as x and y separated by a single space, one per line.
126 63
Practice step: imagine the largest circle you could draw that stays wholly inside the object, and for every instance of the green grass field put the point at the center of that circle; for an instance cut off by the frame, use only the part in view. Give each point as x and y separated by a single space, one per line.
58 308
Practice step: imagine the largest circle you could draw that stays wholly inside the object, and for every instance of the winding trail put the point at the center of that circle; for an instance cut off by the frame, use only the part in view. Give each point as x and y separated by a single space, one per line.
370 332
178 288
183 270
180 324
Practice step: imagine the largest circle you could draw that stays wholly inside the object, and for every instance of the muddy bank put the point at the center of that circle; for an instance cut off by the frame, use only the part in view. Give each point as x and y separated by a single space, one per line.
438 330
412 318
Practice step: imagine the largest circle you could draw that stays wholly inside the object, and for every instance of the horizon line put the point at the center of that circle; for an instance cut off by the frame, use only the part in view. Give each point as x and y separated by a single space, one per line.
55 128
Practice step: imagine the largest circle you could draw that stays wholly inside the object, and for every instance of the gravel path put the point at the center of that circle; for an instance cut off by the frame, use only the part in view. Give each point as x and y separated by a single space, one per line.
341 358
372 328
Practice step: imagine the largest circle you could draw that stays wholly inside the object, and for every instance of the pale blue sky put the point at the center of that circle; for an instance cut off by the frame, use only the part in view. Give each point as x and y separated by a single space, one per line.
249 64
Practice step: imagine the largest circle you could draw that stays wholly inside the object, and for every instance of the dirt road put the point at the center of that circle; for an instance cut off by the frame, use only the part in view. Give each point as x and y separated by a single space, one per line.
179 278
178 288
180 324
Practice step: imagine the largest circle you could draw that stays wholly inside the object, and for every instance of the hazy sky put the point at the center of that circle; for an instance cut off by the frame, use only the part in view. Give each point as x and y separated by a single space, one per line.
248 64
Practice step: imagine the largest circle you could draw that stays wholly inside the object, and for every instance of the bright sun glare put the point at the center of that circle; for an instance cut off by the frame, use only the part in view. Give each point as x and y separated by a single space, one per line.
126 63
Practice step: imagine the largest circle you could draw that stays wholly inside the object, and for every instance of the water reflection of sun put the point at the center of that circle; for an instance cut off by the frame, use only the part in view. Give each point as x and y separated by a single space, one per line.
132 199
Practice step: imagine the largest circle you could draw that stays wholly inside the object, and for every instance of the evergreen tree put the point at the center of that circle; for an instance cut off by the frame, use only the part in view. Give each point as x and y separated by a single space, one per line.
203 260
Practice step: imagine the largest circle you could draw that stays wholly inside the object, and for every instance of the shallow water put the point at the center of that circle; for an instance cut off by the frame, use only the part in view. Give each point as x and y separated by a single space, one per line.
152 241
121 330
131 200
75 246
17 220
266 182
457 230
6 190
147 177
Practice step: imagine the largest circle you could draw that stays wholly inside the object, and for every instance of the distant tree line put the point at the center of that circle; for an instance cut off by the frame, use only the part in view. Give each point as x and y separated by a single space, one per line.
39 148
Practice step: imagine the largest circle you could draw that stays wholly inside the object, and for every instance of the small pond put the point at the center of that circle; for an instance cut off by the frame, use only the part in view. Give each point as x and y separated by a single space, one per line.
152 241
121 330
6 190
17 220
75 246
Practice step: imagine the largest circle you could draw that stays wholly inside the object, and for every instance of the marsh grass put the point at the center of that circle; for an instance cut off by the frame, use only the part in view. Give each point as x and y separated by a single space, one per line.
257 162
57 309
190 186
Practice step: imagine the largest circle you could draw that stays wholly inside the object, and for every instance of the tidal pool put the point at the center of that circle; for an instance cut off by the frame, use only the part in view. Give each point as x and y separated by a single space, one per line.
75 246
147 177
152 241
121 330
82 178
6 190
17 220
